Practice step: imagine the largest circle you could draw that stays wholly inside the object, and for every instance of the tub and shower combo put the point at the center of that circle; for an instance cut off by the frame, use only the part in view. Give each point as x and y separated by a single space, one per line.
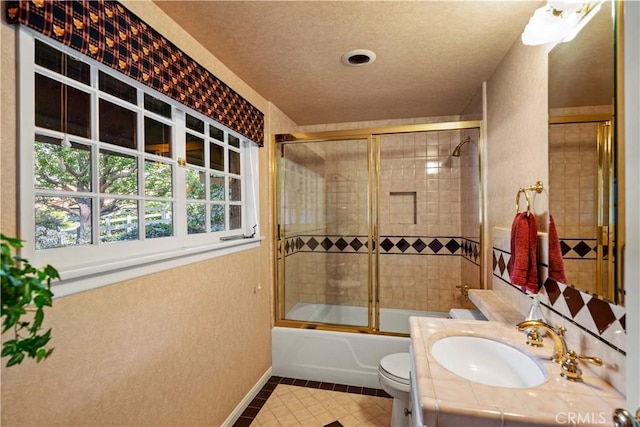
373 226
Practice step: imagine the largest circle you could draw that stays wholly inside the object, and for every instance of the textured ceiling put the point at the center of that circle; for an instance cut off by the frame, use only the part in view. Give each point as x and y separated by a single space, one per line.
432 56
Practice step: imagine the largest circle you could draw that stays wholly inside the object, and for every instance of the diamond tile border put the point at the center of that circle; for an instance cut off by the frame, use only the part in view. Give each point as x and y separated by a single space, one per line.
500 263
596 316
250 413
414 245
471 250
578 248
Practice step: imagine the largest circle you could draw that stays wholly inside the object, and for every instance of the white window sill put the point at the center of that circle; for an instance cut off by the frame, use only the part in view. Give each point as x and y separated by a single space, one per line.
91 277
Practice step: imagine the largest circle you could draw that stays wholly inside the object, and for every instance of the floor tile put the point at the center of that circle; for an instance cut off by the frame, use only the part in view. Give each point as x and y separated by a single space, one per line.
289 402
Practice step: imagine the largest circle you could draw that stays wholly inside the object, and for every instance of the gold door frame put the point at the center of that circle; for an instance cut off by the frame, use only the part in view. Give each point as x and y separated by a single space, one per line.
372 135
605 216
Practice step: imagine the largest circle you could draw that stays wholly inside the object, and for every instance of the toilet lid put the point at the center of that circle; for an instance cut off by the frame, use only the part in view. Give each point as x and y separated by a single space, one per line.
396 366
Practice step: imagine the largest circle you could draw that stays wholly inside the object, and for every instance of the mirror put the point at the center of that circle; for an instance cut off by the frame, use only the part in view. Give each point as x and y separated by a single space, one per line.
581 157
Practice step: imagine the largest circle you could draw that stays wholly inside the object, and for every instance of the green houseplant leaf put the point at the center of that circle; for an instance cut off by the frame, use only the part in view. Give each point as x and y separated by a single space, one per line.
26 291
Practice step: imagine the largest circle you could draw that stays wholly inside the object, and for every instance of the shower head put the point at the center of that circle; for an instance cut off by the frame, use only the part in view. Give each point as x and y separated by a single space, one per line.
456 151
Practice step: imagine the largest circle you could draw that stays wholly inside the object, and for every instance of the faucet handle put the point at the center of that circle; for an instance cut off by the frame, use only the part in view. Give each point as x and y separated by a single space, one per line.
593 360
464 291
533 337
569 368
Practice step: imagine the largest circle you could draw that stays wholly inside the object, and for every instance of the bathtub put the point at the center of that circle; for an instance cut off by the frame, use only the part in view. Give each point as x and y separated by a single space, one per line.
391 319
338 357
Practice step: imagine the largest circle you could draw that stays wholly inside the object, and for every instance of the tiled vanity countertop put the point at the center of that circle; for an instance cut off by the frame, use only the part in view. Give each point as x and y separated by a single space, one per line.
448 400
493 307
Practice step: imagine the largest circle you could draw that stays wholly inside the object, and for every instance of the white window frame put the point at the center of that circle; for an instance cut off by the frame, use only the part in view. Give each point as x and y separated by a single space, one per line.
89 266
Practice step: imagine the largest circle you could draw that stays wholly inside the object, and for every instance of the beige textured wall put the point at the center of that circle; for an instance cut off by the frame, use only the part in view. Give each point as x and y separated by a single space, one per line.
179 347
516 152
8 171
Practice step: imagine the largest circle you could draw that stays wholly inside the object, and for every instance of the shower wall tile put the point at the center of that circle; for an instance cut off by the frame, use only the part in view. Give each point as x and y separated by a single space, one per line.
573 182
317 271
424 166
418 282
429 228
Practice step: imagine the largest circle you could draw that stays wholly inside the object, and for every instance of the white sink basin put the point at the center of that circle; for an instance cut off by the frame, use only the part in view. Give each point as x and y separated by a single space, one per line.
487 361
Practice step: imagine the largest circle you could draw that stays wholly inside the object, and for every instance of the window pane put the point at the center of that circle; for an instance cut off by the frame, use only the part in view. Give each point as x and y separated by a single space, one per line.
196 218
157 179
216 154
235 189
217 218
118 173
217 187
54 101
156 106
48 103
48 57
119 220
234 142
159 219
78 70
195 184
51 58
117 88
117 125
216 133
62 221
78 113
234 162
235 217
61 168
194 150
194 123
157 138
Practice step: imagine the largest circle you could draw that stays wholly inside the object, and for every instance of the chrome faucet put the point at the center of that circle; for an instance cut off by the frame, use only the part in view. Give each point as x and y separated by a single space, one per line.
559 344
568 358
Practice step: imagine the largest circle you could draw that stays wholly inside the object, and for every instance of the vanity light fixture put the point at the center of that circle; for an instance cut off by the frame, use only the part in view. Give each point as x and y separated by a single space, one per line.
559 21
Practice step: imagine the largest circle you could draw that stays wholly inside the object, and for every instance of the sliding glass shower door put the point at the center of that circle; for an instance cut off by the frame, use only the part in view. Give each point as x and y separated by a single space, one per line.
376 225
325 231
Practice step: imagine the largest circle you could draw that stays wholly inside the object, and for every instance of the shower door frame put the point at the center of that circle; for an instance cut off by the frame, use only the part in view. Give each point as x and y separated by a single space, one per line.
279 309
607 281
372 135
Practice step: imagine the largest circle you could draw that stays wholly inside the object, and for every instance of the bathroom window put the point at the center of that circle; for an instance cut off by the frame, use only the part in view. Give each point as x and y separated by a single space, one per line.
114 175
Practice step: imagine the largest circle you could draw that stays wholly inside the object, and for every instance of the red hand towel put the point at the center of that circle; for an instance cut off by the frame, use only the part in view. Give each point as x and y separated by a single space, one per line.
523 263
532 271
556 262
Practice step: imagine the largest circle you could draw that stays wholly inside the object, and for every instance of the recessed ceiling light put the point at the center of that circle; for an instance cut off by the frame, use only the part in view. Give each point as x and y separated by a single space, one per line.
358 57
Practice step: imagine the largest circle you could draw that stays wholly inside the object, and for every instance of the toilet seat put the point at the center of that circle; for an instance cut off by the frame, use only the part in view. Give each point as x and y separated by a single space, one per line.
396 367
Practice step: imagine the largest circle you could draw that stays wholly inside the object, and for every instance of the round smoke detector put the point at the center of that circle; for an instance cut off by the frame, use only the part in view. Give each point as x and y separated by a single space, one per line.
358 57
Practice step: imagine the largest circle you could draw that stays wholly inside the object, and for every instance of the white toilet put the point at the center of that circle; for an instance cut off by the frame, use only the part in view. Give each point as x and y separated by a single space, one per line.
393 373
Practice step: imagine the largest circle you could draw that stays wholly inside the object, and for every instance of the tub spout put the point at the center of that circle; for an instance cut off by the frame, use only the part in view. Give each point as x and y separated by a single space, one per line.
559 344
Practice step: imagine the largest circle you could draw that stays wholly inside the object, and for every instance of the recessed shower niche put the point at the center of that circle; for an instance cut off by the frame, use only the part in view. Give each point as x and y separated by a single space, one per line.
402 207
376 225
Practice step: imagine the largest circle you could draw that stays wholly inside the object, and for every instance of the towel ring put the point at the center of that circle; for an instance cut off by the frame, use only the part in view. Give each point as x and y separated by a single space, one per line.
537 187
522 190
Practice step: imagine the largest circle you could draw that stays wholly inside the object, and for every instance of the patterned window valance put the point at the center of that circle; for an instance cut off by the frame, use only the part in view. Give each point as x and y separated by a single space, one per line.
109 33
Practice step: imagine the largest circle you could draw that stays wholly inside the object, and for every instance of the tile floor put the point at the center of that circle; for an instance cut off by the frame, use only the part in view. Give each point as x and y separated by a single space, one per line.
291 402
